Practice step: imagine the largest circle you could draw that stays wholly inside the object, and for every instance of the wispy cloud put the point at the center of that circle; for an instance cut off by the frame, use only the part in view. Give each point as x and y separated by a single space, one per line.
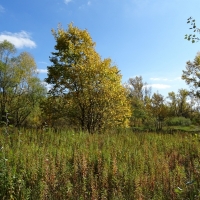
149 7
85 5
165 79
42 71
20 40
67 1
159 79
159 86
178 79
2 9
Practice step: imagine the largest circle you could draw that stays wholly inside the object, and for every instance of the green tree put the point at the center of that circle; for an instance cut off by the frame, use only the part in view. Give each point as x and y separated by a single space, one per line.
158 109
20 89
55 112
173 107
192 75
138 95
178 105
91 87
6 51
137 87
183 105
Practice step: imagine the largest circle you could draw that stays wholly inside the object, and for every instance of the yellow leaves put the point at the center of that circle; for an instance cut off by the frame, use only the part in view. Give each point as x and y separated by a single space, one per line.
94 85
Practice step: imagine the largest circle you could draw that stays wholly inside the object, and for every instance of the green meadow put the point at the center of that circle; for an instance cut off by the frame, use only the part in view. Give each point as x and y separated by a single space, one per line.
126 165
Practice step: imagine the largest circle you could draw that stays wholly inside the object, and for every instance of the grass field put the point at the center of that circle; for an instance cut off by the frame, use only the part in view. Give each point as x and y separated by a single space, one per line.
67 165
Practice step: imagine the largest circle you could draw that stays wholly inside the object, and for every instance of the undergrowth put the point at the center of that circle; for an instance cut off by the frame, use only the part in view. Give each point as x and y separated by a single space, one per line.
69 165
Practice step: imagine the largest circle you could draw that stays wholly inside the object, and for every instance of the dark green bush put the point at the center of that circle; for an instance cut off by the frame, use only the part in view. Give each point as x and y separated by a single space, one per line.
178 121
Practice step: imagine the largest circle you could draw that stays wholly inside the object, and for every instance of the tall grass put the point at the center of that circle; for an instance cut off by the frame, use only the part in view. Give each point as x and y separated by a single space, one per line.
67 165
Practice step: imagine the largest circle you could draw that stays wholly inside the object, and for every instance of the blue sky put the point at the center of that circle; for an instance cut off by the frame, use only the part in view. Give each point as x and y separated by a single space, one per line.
142 37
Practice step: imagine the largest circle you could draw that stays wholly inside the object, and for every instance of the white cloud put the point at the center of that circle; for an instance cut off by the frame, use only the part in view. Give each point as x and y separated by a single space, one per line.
177 78
159 79
67 1
20 40
159 86
47 86
155 79
42 71
165 79
89 3
2 9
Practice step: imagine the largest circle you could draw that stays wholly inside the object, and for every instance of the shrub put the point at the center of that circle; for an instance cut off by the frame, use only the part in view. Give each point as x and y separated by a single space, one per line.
178 121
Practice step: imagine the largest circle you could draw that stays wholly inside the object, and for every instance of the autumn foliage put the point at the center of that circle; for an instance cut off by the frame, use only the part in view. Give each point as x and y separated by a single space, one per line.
91 88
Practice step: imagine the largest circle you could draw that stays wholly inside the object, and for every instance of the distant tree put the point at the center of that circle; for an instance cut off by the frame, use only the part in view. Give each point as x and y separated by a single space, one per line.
136 87
158 109
20 89
195 109
192 37
192 75
183 105
172 103
138 95
178 105
90 86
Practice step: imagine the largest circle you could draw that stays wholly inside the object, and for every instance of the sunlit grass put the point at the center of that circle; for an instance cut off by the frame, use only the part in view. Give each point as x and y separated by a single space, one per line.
68 165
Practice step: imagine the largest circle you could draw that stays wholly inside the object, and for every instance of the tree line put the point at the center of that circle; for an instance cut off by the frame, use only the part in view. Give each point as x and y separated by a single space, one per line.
86 91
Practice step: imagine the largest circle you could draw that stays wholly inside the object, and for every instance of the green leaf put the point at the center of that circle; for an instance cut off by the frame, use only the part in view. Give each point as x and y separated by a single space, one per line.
178 190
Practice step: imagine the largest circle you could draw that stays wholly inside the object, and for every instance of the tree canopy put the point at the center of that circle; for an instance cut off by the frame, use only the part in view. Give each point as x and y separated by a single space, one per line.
20 89
86 91
91 87
192 75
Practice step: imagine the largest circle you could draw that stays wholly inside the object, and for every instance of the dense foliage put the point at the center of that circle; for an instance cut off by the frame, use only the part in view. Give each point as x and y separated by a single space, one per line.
192 75
89 87
20 89
86 92
68 165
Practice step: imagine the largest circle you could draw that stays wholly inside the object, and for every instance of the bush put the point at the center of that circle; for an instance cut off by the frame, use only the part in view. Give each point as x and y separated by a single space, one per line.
178 121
